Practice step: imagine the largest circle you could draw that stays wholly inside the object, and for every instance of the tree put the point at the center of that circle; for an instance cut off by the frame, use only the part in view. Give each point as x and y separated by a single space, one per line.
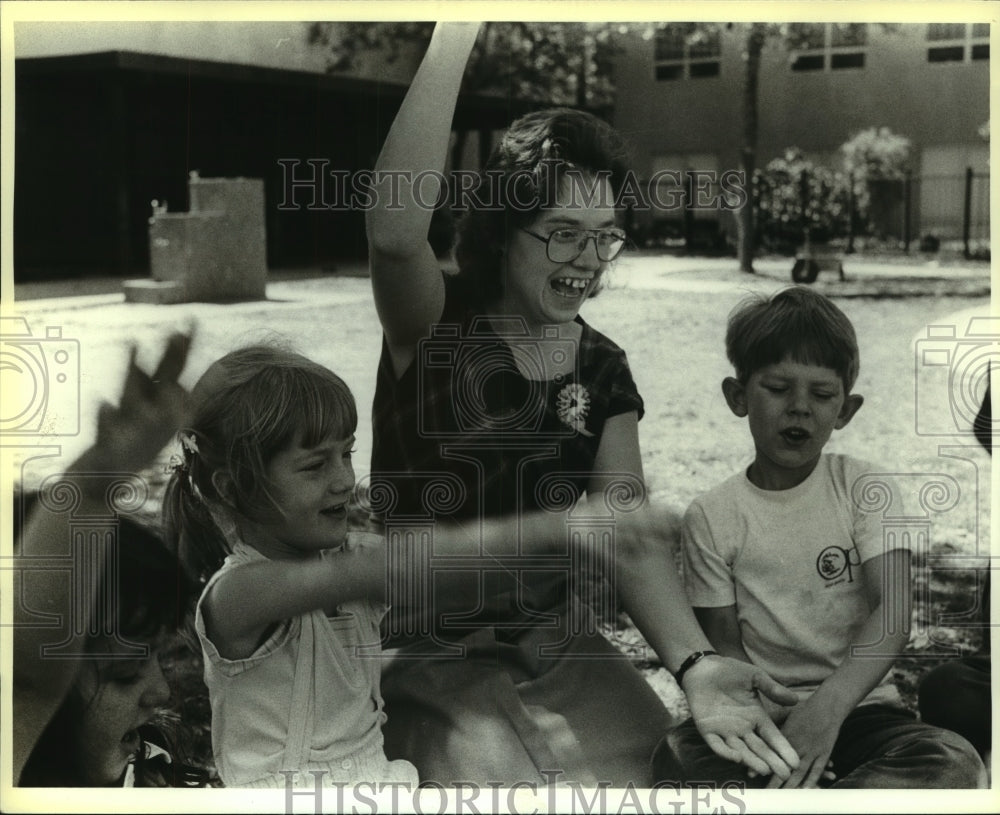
877 153
570 63
756 36
558 63
790 37
555 63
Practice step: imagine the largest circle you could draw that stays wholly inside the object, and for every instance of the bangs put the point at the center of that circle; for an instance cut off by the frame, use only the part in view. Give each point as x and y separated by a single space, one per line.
294 400
297 400
323 408
795 324
799 340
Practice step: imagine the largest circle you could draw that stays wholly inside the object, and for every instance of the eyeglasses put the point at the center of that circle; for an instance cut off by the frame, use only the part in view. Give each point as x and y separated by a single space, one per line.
566 245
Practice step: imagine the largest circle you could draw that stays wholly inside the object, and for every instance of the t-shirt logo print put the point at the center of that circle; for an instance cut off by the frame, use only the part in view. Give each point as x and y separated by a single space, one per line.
572 407
834 561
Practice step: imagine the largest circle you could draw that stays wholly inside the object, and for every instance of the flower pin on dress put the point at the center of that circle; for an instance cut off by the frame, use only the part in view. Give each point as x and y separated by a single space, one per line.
572 407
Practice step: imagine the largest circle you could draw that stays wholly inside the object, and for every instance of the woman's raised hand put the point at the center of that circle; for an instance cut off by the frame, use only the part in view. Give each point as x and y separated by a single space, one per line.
152 409
458 29
723 694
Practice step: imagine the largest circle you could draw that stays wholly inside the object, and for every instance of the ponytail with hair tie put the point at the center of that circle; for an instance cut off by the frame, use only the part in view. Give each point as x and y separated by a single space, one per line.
181 465
189 523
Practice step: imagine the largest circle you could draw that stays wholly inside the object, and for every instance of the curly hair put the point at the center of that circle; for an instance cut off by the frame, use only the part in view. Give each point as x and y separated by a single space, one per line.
527 166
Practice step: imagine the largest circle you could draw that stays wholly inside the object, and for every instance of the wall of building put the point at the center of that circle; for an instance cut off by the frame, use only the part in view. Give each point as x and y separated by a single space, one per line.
99 136
933 104
696 123
98 140
260 43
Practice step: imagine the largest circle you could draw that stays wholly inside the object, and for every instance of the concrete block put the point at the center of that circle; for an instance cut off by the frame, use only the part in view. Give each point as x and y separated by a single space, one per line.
216 252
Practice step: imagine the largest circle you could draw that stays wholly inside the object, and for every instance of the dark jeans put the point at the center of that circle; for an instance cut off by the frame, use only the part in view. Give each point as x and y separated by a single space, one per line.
956 695
879 747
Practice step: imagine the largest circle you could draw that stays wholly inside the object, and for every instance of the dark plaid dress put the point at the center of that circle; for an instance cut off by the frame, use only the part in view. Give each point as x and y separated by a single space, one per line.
464 435
463 411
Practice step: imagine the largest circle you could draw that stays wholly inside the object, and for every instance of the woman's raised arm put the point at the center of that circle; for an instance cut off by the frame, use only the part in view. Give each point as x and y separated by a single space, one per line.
406 278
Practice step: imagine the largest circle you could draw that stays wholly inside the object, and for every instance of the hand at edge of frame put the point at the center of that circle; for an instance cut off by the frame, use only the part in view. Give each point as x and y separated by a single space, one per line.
153 407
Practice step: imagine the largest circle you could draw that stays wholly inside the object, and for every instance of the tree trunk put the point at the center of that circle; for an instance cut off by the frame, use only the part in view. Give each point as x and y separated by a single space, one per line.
458 149
485 147
581 71
745 222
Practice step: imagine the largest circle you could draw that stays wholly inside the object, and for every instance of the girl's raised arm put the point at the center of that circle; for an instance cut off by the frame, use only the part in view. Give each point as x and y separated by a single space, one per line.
406 277
242 605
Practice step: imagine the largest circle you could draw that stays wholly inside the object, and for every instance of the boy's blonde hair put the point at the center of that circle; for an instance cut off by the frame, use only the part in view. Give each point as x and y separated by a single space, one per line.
797 323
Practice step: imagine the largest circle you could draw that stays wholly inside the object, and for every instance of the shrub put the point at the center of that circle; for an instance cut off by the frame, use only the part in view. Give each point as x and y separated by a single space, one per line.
874 159
792 193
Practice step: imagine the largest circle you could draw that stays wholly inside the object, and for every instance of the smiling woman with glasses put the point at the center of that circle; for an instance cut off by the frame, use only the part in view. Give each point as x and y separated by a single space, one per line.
494 398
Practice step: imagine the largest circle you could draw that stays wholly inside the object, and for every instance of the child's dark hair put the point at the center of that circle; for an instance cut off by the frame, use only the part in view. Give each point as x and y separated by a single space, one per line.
797 323
536 153
248 406
153 598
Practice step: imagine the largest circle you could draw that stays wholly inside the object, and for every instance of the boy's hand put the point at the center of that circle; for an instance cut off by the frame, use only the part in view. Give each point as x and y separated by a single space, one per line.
723 696
812 730
777 713
152 409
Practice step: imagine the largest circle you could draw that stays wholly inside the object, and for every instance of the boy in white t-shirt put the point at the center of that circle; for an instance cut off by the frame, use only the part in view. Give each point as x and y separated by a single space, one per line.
786 571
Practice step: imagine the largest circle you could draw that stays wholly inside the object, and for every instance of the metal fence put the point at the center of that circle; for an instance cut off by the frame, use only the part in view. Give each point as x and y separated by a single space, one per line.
934 210
929 212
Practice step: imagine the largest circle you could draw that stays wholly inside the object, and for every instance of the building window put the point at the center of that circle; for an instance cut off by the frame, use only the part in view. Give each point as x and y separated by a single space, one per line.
828 46
958 42
687 50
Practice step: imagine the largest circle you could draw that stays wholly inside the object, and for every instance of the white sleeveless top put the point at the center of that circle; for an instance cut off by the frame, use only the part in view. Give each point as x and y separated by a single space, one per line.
306 702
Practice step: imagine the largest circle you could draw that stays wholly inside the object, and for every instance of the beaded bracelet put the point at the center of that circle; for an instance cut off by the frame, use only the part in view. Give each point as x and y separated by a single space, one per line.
691 661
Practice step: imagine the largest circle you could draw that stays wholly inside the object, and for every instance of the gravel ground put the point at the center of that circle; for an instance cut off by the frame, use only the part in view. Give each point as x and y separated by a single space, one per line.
669 314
